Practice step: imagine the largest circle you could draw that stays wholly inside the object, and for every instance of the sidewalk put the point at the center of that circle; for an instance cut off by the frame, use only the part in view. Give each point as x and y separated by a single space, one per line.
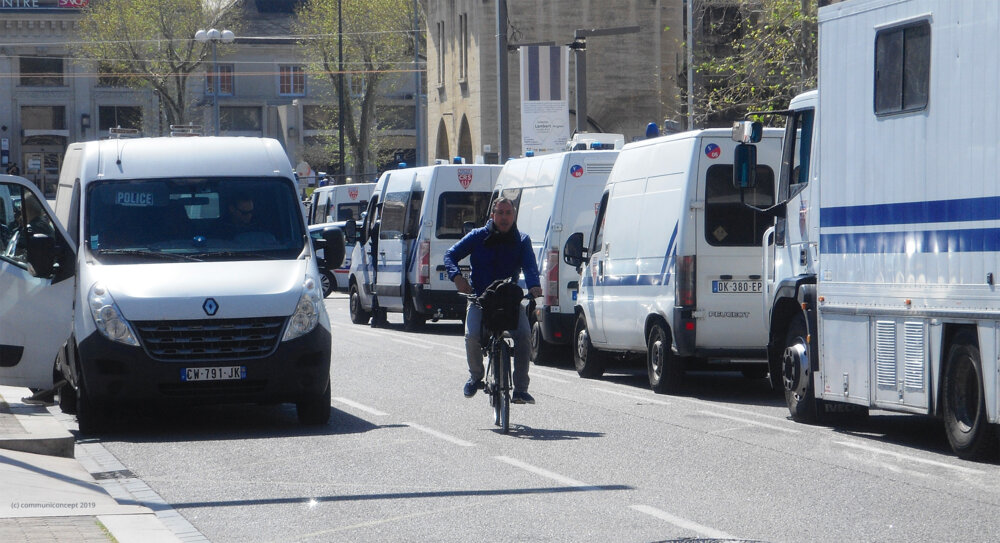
47 495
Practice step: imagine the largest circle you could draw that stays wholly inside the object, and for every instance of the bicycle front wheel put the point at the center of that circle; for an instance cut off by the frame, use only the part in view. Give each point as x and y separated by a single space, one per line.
503 379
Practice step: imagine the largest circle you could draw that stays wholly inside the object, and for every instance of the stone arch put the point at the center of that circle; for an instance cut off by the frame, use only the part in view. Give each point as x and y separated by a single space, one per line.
465 141
442 142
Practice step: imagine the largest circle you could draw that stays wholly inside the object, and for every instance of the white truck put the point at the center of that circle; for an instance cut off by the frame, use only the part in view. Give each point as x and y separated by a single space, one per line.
880 273
673 262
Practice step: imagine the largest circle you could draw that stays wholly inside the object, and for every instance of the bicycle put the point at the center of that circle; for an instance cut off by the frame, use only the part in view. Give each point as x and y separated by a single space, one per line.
498 349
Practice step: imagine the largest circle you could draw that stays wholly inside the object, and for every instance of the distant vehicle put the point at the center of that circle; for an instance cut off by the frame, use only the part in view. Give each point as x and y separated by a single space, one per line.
334 203
414 216
673 262
176 272
555 195
334 278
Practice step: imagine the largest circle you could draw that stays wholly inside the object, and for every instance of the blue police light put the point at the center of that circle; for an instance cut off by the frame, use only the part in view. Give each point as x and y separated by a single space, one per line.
529 153
458 160
401 165
652 130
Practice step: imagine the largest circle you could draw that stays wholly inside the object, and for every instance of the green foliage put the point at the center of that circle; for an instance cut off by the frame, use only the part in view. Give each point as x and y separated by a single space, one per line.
377 43
150 44
772 58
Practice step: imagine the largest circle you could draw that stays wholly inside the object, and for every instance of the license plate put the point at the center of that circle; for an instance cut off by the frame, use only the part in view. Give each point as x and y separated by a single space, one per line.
221 373
737 287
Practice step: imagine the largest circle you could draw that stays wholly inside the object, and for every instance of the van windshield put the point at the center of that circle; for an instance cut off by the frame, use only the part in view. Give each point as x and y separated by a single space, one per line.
212 218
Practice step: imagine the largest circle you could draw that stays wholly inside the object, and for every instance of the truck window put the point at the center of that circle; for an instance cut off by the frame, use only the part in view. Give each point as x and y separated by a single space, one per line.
902 68
350 211
729 223
393 215
454 208
413 217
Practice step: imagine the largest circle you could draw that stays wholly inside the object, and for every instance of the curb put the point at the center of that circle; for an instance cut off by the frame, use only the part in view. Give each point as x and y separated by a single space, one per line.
43 434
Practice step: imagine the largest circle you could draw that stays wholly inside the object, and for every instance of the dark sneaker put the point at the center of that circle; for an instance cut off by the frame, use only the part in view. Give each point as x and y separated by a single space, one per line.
521 396
471 387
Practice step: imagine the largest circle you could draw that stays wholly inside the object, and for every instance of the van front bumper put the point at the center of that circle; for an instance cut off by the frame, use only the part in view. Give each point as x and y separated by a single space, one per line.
116 373
442 304
557 328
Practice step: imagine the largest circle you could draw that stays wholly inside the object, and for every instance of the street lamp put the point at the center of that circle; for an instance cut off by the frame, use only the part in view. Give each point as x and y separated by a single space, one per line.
215 36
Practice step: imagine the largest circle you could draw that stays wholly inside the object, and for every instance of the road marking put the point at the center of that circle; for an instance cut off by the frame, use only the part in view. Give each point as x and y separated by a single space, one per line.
550 371
440 435
748 421
909 458
632 396
360 407
544 472
682 523
548 378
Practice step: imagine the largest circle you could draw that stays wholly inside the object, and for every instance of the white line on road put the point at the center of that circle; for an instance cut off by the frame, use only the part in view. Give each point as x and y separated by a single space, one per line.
440 435
632 396
909 458
682 523
360 407
544 472
747 421
544 377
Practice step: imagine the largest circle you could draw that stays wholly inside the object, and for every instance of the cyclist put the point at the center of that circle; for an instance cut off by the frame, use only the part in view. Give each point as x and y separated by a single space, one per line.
498 251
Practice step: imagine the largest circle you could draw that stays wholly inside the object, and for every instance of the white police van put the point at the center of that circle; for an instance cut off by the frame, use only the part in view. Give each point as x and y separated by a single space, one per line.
335 203
556 195
414 216
183 275
673 264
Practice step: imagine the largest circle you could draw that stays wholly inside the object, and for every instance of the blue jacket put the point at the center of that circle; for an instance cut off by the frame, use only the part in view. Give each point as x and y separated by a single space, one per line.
492 261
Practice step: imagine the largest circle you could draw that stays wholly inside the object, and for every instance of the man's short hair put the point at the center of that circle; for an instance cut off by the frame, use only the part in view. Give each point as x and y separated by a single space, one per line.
493 208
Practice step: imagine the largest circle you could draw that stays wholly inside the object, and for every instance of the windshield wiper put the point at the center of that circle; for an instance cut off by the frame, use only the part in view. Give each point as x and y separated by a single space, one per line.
149 253
238 254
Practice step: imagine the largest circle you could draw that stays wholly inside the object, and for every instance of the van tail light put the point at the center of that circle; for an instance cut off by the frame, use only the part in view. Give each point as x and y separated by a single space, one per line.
550 283
424 263
685 286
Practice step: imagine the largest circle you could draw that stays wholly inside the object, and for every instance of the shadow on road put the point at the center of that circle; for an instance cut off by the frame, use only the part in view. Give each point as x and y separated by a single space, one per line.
545 434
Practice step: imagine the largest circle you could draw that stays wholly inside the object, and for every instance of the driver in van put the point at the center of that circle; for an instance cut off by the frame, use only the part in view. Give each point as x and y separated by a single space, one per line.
240 216
498 251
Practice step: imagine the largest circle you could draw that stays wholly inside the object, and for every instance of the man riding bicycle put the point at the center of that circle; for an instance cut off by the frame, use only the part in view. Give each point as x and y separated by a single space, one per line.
498 251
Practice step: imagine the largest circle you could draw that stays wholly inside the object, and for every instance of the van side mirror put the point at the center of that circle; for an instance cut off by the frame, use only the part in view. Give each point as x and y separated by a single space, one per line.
573 251
745 167
748 131
468 226
41 255
334 252
351 232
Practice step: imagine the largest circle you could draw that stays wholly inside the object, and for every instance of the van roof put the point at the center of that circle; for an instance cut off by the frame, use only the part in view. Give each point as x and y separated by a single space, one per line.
706 132
184 157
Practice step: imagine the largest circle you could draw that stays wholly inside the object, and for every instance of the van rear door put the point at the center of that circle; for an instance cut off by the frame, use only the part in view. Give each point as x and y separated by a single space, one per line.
459 195
728 264
36 313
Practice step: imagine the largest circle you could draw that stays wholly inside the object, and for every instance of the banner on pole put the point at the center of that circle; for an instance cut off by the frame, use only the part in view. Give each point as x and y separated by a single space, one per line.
544 98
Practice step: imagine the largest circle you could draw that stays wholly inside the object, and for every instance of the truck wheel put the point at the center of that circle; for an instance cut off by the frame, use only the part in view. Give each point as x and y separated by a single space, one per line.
664 367
797 375
412 319
315 411
971 435
589 361
327 281
541 350
358 313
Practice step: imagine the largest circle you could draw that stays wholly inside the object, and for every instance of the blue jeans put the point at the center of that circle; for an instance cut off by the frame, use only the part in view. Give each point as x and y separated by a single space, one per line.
474 349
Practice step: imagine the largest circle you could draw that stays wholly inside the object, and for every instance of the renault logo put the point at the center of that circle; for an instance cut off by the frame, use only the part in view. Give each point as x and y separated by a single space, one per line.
210 306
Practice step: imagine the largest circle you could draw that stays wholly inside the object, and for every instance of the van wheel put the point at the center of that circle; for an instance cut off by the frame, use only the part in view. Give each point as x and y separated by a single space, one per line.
67 399
327 281
797 374
971 435
90 416
589 361
412 320
664 367
358 313
315 411
541 350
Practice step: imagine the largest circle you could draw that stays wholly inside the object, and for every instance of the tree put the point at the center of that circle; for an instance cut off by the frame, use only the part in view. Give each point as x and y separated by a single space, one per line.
150 44
377 38
770 56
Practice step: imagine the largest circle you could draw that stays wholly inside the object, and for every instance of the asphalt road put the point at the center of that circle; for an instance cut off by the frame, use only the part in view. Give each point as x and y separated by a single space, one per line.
407 458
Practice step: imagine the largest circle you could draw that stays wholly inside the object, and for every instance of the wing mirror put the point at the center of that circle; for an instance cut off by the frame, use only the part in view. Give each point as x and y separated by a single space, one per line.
41 255
334 251
574 253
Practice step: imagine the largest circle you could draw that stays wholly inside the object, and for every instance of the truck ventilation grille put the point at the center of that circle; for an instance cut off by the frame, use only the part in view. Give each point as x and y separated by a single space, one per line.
885 354
915 354
600 167
221 339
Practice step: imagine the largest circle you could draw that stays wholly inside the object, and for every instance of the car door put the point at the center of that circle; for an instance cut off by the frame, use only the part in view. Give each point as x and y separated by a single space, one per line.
392 242
36 308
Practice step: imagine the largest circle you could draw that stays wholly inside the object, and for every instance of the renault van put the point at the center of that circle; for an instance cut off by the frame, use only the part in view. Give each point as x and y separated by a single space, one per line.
335 203
184 275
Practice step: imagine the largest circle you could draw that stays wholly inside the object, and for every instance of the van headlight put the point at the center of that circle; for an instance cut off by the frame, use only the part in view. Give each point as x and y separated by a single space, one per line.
108 317
307 311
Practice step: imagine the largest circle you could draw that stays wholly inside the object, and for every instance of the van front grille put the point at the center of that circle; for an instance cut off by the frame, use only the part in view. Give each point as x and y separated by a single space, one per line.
202 340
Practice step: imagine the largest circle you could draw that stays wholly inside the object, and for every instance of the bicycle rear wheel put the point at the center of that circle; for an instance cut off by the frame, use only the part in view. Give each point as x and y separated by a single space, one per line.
503 378
492 385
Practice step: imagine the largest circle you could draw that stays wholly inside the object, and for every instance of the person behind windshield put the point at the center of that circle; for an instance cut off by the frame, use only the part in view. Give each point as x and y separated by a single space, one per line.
240 216
498 251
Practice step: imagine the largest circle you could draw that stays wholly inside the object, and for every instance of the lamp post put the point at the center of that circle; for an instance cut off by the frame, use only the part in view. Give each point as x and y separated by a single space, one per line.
215 36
